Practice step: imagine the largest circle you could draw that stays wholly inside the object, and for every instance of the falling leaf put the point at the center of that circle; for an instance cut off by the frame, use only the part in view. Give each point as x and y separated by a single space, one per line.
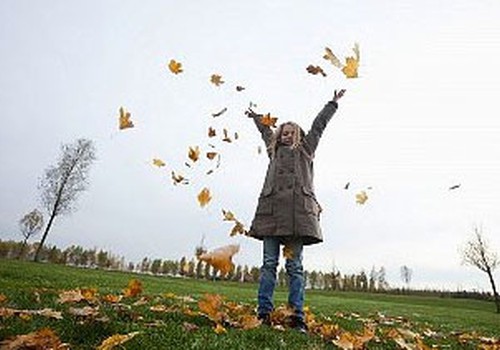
194 153
239 88
216 79
211 155
211 132
287 252
219 113
175 67
115 340
221 258
267 120
259 149
179 179
158 162
347 186
454 187
228 215
236 136
315 70
226 136
204 197
133 289
238 228
350 69
361 197
124 121
209 172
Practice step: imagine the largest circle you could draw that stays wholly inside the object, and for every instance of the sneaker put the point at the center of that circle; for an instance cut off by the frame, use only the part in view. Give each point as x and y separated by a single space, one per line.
299 324
264 319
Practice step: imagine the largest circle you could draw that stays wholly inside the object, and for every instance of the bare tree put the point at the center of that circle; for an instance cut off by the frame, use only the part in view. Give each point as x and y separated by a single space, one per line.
406 274
62 183
30 224
478 253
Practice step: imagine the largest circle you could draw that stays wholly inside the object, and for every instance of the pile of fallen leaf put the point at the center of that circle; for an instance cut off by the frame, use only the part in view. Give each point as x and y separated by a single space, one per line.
88 305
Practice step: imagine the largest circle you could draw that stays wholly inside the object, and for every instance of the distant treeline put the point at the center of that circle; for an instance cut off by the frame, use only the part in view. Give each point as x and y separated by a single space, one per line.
374 282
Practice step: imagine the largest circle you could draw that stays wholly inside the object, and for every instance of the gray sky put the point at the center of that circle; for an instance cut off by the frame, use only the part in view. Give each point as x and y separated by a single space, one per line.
421 118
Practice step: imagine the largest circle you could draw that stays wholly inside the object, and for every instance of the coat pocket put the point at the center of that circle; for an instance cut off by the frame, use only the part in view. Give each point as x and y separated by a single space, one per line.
265 205
311 205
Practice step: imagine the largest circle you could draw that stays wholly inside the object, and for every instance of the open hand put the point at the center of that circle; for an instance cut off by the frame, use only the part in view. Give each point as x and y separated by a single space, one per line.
338 95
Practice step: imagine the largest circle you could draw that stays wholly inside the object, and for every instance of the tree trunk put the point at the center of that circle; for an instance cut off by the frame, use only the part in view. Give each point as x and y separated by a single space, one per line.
495 294
47 229
21 251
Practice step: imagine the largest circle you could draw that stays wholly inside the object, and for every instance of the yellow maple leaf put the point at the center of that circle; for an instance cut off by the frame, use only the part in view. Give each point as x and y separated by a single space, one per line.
216 79
361 197
221 258
219 329
211 305
115 340
158 162
267 120
351 68
228 215
194 153
124 119
204 197
238 228
175 67
133 289
315 70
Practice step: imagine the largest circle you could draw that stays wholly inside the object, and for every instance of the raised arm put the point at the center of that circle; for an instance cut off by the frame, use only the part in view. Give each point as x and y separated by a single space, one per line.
265 131
321 120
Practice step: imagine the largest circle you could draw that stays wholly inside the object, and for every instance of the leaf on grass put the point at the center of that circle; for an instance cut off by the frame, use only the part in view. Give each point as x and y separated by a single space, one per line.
216 79
219 329
211 132
194 153
111 298
211 305
175 67
158 162
190 327
3 298
179 179
221 258
249 322
116 340
70 296
361 197
315 70
267 120
44 338
124 119
133 289
86 311
219 113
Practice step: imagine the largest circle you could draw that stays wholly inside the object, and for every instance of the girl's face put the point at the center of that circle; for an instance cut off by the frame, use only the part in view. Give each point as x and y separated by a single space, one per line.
287 134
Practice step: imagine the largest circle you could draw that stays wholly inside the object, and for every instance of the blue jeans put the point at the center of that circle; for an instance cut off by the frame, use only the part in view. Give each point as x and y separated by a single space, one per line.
295 273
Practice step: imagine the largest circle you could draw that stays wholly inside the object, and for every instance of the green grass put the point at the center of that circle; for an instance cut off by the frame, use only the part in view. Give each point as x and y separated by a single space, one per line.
35 286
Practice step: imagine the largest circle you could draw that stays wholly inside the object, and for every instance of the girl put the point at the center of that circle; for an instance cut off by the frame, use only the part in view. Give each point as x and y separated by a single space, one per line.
287 211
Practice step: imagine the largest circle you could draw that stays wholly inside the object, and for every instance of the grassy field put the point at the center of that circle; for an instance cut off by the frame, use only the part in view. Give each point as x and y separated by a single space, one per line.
166 318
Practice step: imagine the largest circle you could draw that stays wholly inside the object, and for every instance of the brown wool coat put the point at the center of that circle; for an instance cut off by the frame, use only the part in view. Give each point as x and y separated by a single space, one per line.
287 205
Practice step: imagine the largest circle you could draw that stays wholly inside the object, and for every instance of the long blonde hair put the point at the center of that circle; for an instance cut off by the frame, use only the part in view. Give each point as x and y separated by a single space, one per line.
298 134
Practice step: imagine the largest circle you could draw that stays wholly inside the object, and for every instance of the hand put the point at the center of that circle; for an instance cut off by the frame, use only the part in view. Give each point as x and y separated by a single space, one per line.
338 95
250 113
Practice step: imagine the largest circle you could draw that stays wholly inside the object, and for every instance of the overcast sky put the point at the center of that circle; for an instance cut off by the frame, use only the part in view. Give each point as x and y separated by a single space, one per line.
422 116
